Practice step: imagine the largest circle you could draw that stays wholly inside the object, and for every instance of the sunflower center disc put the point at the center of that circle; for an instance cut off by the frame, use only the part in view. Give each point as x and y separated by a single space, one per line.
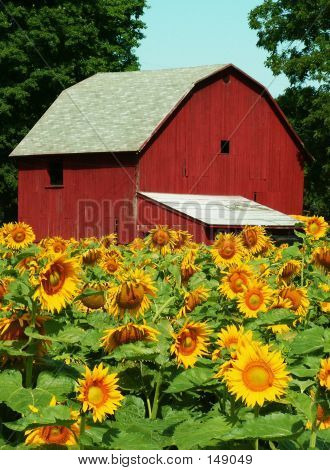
227 251
19 236
188 345
160 238
258 377
314 228
95 395
130 296
55 434
255 301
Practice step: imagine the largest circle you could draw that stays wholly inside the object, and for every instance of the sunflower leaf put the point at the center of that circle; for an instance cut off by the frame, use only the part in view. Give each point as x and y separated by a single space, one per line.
308 341
303 404
194 434
272 426
190 379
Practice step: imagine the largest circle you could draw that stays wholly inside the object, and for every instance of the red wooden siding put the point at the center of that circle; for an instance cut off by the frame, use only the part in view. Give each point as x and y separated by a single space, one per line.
151 214
97 197
263 163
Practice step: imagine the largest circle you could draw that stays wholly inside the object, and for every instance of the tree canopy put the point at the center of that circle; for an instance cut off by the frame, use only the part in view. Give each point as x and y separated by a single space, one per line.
49 45
295 35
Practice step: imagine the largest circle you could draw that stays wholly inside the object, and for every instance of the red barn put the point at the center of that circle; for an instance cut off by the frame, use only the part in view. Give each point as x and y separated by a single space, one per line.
201 148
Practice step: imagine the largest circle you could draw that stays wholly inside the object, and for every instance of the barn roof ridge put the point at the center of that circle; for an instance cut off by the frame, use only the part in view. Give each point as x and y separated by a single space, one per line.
118 111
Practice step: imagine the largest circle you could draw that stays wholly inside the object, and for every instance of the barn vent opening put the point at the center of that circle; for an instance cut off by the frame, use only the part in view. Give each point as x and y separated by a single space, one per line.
55 171
225 146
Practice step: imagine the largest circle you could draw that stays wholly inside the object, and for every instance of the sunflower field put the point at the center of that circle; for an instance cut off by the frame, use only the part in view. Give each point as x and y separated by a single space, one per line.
165 343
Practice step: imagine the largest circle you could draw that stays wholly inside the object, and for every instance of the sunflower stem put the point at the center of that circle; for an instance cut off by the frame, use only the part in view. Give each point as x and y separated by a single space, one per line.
82 430
302 265
159 312
149 407
28 371
256 414
156 397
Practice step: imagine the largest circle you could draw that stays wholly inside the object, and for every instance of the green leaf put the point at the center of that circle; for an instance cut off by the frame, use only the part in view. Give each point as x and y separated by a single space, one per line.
302 372
57 415
195 377
132 410
138 351
308 341
70 334
303 404
272 317
193 434
58 385
10 382
272 426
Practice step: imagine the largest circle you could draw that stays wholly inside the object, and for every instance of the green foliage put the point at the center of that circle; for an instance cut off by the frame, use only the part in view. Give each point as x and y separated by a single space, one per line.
165 406
296 38
50 45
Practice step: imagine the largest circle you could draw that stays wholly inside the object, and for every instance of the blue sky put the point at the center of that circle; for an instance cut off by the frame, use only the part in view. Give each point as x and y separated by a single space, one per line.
183 33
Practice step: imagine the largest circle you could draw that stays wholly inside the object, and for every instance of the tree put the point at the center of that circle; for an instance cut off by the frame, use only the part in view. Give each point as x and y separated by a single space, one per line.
296 36
49 45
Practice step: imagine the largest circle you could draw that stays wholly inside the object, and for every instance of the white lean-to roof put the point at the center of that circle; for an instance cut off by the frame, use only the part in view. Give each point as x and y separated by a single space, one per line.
222 210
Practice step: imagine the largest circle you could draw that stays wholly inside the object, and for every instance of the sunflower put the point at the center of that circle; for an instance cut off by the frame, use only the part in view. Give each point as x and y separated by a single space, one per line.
322 419
254 298
57 283
279 329
98 391
325 307
161 239
234 281
30 263
321 257
18 235
56 244
254 239
298 298
324 373
91 256
129 333
96 301
300 218
184 240
54 435
316 227
231 336
279 251
137 244
13 328
132 293
324 287
188 265
190 343
111 261
278 302
288 270
257 375
192 299
108 240
227 249
4 283
223 369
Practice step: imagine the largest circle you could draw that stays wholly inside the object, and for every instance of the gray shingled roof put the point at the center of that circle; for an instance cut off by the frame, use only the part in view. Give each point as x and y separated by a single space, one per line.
115 111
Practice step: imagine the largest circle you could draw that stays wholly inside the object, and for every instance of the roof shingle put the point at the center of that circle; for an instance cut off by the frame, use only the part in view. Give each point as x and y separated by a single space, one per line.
110 112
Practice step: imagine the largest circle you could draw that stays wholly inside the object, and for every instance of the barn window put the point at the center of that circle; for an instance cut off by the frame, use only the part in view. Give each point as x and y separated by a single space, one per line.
225 146
55 171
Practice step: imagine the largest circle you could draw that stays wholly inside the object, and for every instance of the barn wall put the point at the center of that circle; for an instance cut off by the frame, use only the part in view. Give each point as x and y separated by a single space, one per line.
97 197
262 165
151 214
